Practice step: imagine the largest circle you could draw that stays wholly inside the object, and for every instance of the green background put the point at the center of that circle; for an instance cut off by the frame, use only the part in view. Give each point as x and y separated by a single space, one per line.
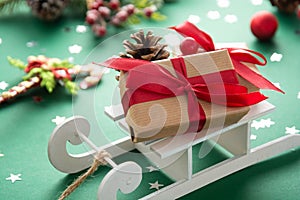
25 126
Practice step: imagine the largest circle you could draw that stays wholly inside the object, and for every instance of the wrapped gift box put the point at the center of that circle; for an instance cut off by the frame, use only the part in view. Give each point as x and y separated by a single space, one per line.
169 116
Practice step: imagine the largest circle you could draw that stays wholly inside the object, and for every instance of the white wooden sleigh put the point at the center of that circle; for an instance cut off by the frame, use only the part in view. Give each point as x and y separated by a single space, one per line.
175 150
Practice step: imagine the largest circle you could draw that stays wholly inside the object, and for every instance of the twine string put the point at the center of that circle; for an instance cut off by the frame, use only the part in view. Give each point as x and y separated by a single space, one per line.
99 160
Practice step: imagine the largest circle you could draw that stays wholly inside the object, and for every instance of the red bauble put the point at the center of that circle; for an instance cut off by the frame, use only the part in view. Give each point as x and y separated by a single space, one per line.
189 46
264 25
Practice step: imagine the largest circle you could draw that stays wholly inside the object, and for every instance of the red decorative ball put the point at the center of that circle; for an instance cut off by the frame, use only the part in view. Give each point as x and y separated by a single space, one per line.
189 46
264 25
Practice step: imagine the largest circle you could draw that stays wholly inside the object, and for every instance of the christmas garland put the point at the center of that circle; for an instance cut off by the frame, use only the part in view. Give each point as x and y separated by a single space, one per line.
99 13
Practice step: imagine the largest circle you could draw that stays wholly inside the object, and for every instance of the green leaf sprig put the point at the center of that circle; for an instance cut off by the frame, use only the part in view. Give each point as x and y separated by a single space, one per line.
46 72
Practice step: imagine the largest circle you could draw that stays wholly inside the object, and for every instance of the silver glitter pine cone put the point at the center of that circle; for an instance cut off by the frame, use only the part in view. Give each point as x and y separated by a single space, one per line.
48 10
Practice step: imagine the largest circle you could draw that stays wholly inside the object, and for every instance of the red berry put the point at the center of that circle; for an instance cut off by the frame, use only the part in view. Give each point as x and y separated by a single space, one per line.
148 11
116 21
96 5
114 4
298 13
99 30
93 11
91 18
122 15
264 25
130 9
189 46
104 11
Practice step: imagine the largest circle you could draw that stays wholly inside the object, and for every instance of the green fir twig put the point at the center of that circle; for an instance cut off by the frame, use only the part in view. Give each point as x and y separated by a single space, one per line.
16 63
9 5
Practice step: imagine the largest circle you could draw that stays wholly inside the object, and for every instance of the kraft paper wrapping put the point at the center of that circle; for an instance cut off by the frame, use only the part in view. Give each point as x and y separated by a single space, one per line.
168 117
242 81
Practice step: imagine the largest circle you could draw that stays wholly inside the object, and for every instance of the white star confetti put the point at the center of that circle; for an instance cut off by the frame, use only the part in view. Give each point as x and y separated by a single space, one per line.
31 44
151 168
223 3
267 122
58 120
213 14
256 124
253 137
298 95
1 155
155 185
13 178
263 123
75 49
276 57
0 40
194 19
256 2
291 130
3 85
230 19
80 29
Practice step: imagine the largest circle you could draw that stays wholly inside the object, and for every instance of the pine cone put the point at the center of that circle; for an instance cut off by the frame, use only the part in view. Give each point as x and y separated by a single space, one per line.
48 10
146 47
288 6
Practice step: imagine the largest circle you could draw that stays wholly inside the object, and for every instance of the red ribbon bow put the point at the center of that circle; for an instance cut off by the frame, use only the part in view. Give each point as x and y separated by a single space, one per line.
147 81
238 56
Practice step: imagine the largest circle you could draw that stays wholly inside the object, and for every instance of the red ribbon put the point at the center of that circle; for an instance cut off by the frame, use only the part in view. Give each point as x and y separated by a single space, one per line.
147 81
61 73
238 56
33 64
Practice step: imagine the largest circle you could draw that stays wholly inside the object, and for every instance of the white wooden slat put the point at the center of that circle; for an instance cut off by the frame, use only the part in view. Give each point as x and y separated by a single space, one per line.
236 141
177 167
178 143
115 112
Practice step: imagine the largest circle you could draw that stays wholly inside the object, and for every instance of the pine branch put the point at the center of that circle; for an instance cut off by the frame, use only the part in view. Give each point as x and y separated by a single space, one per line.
9 5
145 3
16 63
70 86
48 81
64 64
33 72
